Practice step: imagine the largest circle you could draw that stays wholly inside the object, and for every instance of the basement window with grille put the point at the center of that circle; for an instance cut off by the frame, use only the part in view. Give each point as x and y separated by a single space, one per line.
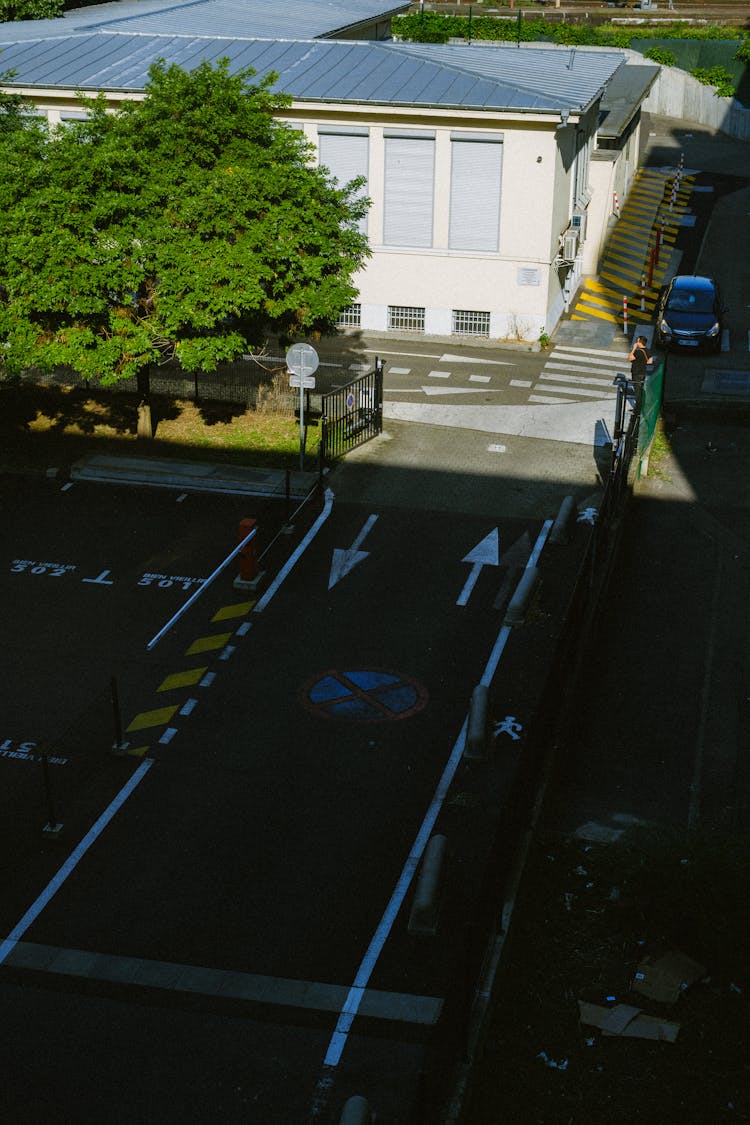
406 317
351 317
468 322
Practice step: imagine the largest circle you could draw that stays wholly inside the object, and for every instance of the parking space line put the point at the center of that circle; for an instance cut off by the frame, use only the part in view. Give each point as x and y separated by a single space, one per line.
230 985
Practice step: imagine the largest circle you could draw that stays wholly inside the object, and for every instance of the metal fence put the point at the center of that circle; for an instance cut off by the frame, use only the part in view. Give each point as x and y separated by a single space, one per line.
352 414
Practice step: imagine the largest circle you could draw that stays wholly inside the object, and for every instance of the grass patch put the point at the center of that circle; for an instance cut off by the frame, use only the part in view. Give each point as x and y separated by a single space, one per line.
46 426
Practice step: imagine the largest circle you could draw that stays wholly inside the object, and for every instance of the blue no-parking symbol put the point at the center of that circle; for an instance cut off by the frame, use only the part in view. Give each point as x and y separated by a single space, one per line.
365 694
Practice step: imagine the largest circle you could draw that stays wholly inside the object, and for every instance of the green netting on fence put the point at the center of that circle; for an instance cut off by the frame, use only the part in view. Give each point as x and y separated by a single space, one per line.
650 407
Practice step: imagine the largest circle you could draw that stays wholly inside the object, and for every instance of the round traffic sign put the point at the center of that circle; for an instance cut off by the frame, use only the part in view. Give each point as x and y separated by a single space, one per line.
302 359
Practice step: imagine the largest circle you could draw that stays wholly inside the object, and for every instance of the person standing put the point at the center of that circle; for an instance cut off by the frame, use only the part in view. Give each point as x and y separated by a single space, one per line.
639 361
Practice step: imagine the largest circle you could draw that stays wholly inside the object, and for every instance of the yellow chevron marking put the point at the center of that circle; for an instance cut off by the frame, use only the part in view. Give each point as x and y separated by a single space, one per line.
238 610
598 315
208 644
182 679
152 718
616 270
591 283
137 751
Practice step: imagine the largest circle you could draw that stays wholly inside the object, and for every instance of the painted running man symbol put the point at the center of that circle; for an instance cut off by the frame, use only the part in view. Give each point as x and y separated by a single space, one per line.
509 725
364 695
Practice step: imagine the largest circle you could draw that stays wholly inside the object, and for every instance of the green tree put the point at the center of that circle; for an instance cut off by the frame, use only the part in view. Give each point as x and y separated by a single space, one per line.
183 226
29 9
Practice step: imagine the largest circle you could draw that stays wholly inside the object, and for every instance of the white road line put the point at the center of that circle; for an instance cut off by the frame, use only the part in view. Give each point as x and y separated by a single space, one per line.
521 383
567 376
583 380
571 363
439 374
188 706
475 359
296 555
479 378
588 351
72 861
168 735
550 400
208 679
399 370
576 390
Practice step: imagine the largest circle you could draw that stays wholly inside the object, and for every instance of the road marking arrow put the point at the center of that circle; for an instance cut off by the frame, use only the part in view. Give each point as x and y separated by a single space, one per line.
486 553
345 560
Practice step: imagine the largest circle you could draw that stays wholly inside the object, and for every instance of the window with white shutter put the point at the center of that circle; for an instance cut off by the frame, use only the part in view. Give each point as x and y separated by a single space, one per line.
476 175
409 188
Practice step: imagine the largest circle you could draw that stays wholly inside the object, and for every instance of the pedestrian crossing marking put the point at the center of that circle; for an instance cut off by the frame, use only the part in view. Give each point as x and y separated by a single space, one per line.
155 718
241 609
584 392
208 644
182 679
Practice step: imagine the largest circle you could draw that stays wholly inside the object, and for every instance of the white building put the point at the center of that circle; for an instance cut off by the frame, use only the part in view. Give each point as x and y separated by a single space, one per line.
487 201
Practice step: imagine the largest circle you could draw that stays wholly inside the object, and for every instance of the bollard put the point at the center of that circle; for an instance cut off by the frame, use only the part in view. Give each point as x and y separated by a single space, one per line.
560 532
477 727
249 575
625 315
516 611
356 1112
616 205
643 292
423 919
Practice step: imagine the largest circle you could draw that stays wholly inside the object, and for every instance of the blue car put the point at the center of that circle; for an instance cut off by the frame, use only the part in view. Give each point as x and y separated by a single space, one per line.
690 314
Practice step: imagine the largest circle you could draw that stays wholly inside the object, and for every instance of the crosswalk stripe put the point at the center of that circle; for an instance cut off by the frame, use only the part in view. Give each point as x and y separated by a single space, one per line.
578 383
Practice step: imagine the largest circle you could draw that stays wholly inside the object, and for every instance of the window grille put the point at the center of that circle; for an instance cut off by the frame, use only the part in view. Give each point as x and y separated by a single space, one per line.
351 317
406 317
468 322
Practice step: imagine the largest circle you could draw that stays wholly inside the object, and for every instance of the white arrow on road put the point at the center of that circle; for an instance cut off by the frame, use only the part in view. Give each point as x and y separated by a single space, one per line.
343 561
486 553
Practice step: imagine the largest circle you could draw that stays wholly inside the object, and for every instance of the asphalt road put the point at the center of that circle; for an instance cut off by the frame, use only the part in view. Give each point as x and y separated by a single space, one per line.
286 762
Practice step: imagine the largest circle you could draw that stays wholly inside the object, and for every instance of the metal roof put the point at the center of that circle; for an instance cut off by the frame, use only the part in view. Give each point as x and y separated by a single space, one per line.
311 18
383 73
623 98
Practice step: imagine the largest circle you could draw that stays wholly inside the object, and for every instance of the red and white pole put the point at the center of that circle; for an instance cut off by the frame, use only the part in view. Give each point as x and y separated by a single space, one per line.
625 315
616 205
643 292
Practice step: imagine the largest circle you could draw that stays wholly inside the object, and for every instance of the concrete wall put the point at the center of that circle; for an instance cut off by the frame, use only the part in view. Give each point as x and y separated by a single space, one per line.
677 94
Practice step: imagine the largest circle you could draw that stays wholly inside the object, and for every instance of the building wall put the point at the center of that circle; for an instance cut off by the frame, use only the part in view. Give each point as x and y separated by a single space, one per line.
521 287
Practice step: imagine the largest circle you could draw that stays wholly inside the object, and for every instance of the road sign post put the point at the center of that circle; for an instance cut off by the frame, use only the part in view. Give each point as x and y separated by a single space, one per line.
302 361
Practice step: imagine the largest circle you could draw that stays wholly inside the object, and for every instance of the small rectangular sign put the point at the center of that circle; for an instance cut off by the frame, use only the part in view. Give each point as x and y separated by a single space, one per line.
304 381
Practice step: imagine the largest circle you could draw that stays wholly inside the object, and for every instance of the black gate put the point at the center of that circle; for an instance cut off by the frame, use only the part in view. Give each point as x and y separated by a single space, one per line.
352 414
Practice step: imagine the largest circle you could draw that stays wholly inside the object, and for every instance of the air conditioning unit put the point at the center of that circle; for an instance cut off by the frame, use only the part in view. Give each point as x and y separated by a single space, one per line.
578 222
569 245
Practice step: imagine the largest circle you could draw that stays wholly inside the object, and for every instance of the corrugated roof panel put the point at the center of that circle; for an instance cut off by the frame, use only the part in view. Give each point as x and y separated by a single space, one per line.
326 70
231 18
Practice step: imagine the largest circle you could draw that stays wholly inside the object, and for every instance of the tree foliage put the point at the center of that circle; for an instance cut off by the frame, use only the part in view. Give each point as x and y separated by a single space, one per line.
185 226
29 9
